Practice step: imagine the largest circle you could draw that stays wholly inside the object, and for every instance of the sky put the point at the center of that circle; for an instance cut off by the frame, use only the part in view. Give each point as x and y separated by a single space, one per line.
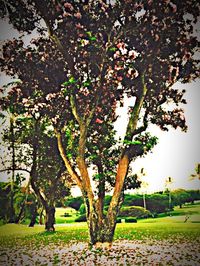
176 153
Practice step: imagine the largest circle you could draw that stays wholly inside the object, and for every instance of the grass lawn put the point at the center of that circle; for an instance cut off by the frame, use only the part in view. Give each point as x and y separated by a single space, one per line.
65 215
147 242
153 228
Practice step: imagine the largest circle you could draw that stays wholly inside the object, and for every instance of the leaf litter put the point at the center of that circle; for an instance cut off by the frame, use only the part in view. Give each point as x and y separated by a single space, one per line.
123 253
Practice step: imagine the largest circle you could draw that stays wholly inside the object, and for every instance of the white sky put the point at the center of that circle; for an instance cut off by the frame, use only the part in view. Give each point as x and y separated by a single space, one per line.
176 153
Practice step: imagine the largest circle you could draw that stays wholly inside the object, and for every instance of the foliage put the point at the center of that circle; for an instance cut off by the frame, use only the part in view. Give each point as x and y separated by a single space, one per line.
74 202
130 220
179 197
193 195
81 218
157 203
82 209
134 211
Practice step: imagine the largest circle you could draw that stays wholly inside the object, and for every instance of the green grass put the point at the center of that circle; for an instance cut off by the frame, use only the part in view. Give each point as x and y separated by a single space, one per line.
170 227
60 212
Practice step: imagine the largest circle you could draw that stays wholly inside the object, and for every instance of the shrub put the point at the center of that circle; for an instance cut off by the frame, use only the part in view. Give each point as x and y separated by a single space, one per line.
81 218
66 214
134 211
74 203
133 200
130 220
118 220
82 209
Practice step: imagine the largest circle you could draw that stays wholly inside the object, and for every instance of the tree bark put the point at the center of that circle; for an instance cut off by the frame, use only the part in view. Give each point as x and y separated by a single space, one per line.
101 231
33 216
50 218
20 215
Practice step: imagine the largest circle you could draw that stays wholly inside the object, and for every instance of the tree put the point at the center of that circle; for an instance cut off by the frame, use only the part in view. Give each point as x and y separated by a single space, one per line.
88 56
179 197
47 171
35 150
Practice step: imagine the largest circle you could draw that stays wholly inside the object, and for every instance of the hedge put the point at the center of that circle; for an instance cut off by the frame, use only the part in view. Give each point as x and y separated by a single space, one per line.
134 211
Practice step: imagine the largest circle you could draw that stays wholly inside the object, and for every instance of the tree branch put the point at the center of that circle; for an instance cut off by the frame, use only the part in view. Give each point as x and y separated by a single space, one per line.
16 169
82 165
133 120
68 166
74 108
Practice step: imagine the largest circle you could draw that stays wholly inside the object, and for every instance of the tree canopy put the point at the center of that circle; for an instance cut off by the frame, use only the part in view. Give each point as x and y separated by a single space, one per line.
86 57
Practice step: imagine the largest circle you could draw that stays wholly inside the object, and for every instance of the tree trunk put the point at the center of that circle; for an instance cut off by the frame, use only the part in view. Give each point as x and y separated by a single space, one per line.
101 233
41 217
20 215
33 216
50 218
101 229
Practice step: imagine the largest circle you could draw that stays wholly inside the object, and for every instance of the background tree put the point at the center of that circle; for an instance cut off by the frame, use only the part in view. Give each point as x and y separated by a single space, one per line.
89 55
179 197
34 153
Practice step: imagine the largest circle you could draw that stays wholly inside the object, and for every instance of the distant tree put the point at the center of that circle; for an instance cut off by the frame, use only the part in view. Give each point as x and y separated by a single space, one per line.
179 197
134 211
157 203
73 202
193 195
89 55
133 200
34 153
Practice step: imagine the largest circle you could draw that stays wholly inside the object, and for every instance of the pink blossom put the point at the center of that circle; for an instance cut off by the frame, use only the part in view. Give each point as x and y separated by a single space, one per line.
79 26
78 15
99 121
119 78
120 45
174 7
117 54
132 54
69 6
66 14
123 51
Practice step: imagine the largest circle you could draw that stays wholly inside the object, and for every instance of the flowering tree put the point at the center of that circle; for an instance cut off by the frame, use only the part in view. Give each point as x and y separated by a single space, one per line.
88 56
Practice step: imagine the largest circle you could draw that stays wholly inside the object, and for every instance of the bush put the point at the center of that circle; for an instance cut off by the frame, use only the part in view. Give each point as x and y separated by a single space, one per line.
74 203
81 218
130 220
134 211
133 200
82 209
66 214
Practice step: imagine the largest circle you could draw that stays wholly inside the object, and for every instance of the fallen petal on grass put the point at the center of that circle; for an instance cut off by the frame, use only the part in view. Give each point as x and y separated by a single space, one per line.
123 252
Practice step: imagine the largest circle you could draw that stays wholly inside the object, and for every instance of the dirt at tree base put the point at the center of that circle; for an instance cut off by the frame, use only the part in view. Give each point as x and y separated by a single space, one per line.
123 252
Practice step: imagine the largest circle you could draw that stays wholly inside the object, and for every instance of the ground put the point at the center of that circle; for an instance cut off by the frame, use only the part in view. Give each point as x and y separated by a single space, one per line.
161 241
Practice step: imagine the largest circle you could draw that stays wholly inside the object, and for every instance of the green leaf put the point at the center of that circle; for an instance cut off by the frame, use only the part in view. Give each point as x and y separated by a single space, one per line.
92 38
86 83
72 80
89 33
69 155
136 142
112 49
